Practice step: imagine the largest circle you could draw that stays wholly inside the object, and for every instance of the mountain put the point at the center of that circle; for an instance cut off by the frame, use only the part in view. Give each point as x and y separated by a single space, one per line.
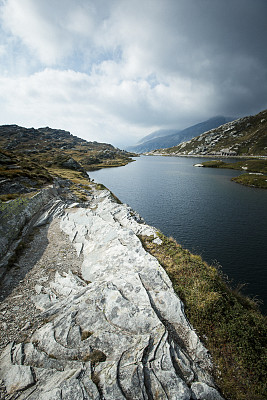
243 137
157 134
174 139
48 147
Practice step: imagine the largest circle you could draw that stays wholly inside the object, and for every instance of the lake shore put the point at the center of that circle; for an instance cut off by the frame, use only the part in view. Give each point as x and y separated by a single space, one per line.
203 156
97 300
185 202
229 325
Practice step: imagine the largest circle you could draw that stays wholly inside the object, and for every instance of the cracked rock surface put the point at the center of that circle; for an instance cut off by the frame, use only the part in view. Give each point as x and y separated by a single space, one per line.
116 330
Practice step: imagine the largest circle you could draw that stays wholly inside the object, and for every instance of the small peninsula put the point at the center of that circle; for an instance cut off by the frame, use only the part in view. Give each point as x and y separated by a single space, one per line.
255 171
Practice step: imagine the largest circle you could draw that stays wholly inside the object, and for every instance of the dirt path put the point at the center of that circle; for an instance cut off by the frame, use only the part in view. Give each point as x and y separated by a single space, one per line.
46 251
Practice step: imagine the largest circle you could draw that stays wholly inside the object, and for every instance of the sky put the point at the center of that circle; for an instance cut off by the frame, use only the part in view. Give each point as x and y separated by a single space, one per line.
116 70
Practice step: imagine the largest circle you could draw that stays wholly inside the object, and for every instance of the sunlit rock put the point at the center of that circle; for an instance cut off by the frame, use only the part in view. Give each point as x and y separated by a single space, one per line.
117 332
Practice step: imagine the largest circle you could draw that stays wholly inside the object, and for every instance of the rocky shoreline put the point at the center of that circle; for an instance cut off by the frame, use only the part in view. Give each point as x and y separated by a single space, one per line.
87 313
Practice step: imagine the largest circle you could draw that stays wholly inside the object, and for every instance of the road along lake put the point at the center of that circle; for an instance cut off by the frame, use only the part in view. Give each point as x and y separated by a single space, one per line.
207 213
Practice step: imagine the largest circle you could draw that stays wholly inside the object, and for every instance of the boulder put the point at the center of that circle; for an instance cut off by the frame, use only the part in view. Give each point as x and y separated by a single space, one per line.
70 163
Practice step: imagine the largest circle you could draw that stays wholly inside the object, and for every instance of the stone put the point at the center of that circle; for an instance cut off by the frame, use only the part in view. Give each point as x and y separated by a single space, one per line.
43 301
54 209
4 326
71 164
122 335
38 288
26 326
157 241
201 391
18 377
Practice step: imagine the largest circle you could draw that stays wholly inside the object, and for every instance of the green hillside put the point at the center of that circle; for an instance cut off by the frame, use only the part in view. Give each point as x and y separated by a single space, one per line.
31 158
50 147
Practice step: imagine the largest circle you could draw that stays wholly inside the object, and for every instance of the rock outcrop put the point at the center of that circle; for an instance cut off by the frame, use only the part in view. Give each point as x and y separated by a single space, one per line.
17 217
117 331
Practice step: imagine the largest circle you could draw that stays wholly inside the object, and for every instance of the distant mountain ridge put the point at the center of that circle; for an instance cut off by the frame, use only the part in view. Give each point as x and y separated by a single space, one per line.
245 136
177 137
157 134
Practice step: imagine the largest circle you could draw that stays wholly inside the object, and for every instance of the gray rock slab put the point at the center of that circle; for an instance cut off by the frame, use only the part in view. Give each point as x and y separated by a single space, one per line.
201 391
18 377
123 335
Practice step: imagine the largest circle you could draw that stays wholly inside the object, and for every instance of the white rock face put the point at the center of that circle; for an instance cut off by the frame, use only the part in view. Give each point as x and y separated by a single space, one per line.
118 333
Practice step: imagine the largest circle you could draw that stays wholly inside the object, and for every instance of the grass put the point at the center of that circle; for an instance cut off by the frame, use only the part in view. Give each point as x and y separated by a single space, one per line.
35 174
9 196
34 152
95 357
17 204
229 323
214 164
253 180
79 192
118 162
85 335
100 186
80 185
20 169
252 165
72 175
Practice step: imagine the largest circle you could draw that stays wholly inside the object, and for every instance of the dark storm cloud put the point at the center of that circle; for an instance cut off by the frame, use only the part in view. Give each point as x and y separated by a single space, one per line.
223 43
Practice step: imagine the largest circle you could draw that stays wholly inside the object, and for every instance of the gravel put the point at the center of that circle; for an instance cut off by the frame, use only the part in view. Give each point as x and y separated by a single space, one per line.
46 251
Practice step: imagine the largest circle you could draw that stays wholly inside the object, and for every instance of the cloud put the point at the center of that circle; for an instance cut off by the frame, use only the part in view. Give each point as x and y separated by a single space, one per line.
54 32
97 105
117 70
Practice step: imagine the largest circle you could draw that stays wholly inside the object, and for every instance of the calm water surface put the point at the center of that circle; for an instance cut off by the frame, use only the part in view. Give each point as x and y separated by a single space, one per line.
203 210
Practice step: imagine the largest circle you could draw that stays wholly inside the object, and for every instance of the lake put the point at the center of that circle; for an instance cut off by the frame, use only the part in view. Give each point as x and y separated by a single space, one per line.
203 210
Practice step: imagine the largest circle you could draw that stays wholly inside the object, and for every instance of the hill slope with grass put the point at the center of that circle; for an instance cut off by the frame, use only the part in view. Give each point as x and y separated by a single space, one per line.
243 137
50 147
